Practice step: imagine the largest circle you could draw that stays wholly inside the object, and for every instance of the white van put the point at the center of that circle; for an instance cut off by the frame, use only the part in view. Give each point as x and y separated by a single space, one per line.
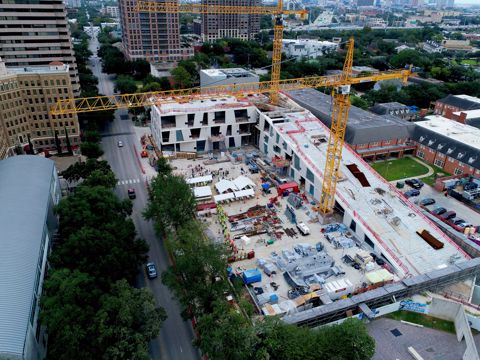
304 230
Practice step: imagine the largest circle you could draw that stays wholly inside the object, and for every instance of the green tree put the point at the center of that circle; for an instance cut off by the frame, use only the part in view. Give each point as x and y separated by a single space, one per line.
82 170
92 207
198 263
69 303
125 84
101 178
226 334
91 136
171 204
91 150
182 78
128 318
163 167
358 102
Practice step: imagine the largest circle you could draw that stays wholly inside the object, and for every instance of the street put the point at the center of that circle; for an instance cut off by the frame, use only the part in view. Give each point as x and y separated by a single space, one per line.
176 335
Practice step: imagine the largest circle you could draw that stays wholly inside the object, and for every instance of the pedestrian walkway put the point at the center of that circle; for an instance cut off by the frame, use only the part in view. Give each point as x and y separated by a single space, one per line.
128 182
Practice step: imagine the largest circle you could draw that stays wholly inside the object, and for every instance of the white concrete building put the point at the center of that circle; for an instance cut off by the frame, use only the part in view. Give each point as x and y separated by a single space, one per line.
203 125
230 76
307 48
373 209
112 11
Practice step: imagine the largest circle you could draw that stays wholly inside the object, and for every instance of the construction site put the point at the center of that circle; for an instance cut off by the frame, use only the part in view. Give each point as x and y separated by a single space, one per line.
314 232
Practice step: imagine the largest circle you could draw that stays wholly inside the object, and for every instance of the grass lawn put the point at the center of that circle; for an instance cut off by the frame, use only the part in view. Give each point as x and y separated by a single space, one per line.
430 180
424 320
399 168
470 62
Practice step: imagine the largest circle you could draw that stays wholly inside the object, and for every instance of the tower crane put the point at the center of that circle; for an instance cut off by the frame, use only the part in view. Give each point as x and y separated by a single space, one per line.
340 85
174 7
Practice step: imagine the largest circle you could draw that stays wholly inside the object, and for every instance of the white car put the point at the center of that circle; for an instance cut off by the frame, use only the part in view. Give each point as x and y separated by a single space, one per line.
120 144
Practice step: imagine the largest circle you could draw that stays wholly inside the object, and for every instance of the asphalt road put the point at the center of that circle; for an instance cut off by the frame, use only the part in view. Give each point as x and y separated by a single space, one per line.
175 339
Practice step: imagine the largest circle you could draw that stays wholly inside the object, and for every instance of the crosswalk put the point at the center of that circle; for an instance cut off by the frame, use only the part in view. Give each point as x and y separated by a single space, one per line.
128 182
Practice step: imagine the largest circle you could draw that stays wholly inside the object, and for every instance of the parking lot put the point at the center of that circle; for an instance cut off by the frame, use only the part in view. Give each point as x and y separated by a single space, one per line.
462 211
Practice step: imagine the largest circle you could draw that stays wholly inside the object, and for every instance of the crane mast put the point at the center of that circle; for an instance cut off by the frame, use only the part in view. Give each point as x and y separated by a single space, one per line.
278 11
340 108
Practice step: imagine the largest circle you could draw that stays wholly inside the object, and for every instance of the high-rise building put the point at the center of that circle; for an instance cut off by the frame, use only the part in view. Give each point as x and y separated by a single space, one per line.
35 32
365 3
26 95
151 36
218 26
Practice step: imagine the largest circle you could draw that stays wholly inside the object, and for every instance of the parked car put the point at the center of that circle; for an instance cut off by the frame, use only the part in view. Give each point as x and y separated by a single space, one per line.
458 221
427 201
470 186
379 261
448 215
120 143
151 269
439 211
411 193
414 183
252 166
319 246
131 194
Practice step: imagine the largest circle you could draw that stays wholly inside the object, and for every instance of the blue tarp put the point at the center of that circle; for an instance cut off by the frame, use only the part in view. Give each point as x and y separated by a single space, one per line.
252 276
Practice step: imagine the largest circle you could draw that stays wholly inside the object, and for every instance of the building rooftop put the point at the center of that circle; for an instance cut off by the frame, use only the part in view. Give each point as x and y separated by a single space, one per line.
363 126
391 219
53 67
464 102
24 194
454 139
212 103
383 108
227 73
471 114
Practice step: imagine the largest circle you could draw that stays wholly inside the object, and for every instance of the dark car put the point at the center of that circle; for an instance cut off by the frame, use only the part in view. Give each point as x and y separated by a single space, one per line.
412 192
380 262
439 211
131 193
151 270
448 215
458 221
470 186
427 201
414 183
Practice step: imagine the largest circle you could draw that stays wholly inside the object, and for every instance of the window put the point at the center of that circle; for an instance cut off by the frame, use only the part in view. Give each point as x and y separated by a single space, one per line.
296 162
421 154
276 149
458 171
179 135
311 190
310 176
439 163
369 242
353 225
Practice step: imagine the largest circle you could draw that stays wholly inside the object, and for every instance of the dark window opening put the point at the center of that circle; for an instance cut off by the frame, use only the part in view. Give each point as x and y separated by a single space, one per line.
191 119
195 133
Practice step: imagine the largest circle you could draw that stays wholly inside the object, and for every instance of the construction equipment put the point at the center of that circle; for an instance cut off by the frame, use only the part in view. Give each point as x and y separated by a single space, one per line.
341 103
175 7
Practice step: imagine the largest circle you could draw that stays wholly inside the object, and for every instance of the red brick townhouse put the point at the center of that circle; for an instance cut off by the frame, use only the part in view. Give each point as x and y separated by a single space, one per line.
449 145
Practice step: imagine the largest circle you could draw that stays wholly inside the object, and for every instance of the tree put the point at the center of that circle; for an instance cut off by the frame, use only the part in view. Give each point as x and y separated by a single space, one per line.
101 178
82 170
125 84
171 204
58 144
90 206
126 321
91 150
358 102
67 140
91 136
181 77
226 334
198 263
69 303
163 167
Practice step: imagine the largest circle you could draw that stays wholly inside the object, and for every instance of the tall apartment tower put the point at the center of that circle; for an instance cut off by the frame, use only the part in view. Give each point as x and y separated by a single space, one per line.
218 26
35 32
153 37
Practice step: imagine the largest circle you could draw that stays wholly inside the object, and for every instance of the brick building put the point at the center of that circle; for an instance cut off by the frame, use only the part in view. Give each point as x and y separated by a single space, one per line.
240 26
370 135
151 36
449 145
459 108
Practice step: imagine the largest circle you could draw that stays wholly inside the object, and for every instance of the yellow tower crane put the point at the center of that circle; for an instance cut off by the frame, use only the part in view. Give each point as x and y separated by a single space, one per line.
174 7
341 103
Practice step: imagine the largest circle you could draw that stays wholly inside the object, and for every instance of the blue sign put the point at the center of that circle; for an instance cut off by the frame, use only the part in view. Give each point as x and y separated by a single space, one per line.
410 305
